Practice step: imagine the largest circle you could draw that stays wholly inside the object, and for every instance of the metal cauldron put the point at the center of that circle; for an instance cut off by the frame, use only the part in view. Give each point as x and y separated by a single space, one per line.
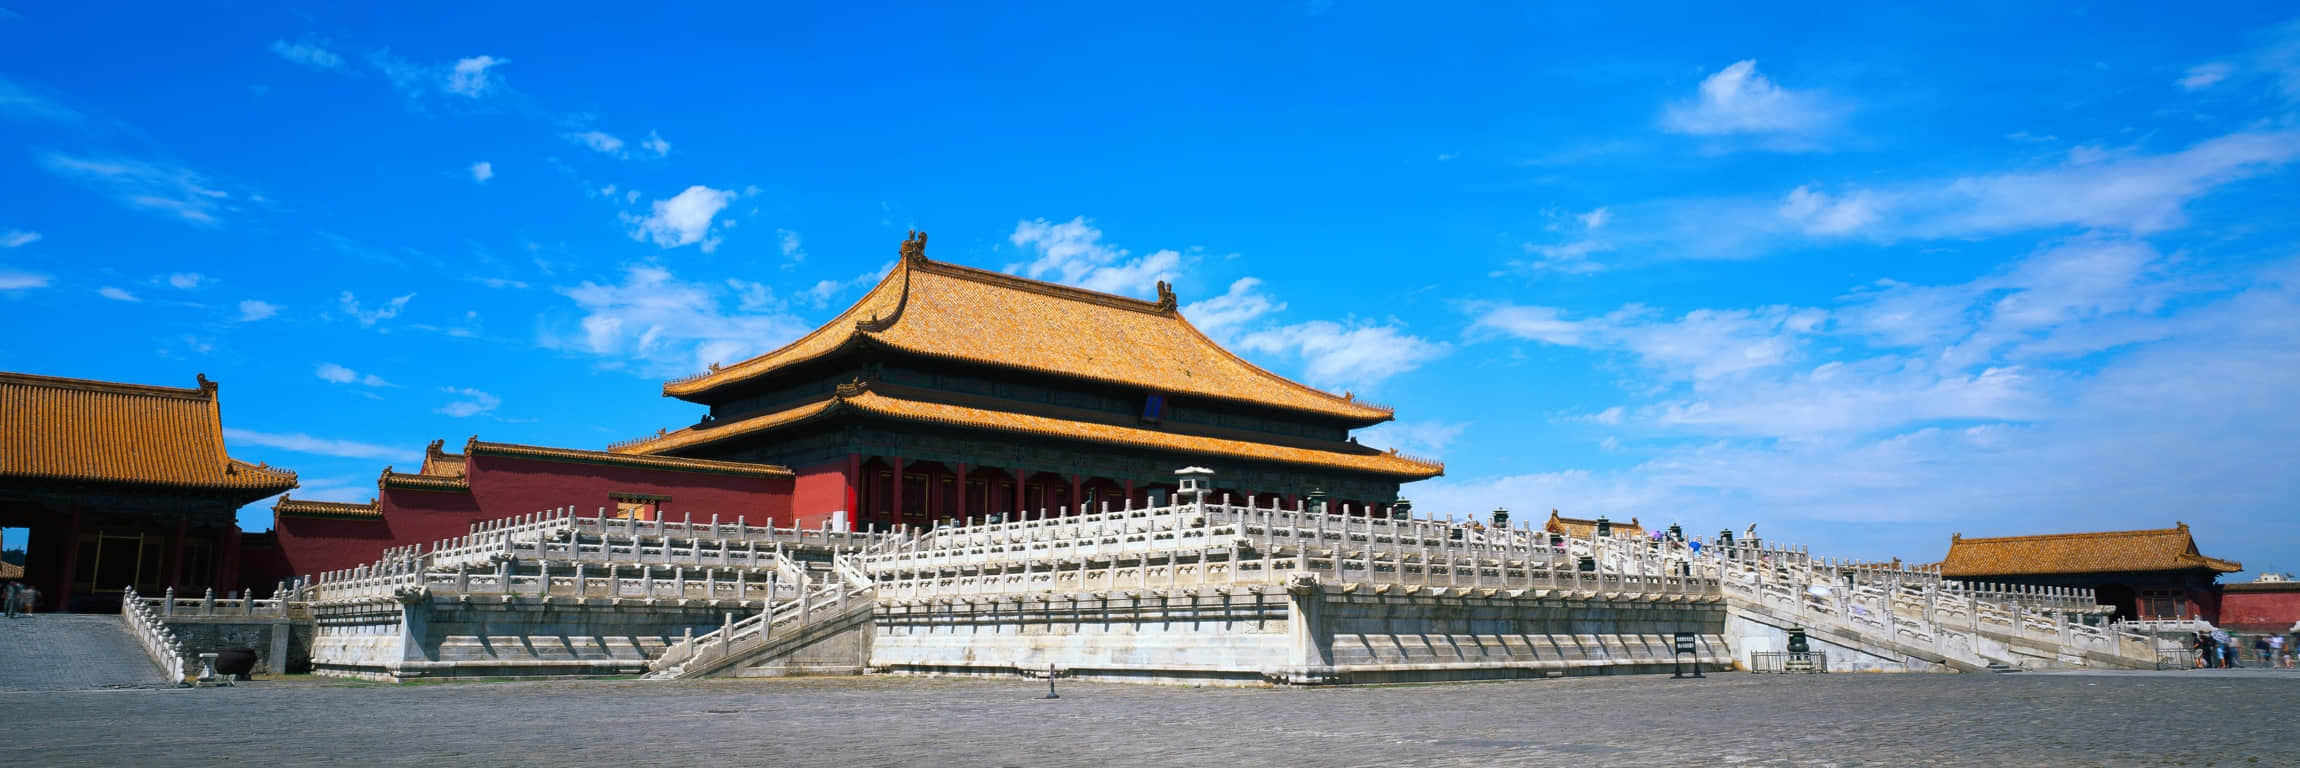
236 662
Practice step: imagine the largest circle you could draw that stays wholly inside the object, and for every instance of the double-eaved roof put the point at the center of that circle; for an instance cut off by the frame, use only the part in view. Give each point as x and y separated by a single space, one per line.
81 431
859 398
2156 549
945 311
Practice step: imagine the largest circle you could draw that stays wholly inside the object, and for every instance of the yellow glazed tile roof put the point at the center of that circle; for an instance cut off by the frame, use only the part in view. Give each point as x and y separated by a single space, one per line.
859 399
638 461
2158 549
437 461
939 310
287 507
55 428
1578 528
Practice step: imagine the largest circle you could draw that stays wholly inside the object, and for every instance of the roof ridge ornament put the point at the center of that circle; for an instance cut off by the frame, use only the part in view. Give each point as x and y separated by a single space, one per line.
854 387
1166 301
914 247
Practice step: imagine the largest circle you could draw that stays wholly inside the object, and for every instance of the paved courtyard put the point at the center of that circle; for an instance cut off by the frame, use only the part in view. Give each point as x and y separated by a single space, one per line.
2244 718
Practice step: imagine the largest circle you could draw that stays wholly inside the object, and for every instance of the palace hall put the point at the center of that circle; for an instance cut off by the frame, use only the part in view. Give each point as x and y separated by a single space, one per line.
122 485
950 392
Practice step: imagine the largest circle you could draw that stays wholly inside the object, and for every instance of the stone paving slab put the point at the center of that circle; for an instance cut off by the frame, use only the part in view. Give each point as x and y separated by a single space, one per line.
1728 719
62 651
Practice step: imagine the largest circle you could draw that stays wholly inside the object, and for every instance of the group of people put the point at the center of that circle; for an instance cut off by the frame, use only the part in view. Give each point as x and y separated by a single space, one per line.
20 599
2217 649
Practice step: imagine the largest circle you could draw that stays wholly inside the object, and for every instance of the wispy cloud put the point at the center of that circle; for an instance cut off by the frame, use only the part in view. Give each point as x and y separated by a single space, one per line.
309 54
337 374
167 189
599 141
468 402
369 317
18 238
1073 253
17 281
317 446
474 77
116 294
655 143
252 310
185 281
21 102
482 171
654 323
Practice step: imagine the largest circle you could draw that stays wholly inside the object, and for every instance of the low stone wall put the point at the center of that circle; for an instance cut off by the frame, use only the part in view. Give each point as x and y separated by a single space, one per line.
503 636
1308 634
282 644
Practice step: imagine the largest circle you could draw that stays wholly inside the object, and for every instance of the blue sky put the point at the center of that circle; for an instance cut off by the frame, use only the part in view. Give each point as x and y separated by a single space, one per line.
1866 280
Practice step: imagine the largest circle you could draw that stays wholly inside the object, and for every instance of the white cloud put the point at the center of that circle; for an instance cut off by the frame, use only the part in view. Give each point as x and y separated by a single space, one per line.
2204 75
655 143
1740 100
1817 213
482 171
1236 308
789 241
472 77
368 318
468 402
599 141
116 294
822 293
301 443
1352 357
308 54
1418 438
18 238
337 374
18 101
252 310
1072 252
186 280
167 189
682 220
1596 219
659 324
17 281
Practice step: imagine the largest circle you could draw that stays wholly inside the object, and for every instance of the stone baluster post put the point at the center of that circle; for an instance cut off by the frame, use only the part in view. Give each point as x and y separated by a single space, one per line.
208 603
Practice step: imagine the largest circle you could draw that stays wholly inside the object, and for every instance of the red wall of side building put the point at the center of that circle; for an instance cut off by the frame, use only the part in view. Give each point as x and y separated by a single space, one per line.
503 487
2260 611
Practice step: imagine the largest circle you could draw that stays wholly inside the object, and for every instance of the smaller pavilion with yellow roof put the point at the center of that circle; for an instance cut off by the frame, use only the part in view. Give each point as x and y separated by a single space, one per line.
122 485
950 392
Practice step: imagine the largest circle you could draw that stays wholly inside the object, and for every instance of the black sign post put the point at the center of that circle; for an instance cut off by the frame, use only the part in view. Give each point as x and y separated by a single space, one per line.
1685 647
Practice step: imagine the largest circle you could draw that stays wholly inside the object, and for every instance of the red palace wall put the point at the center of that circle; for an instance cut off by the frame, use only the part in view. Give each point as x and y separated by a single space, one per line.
2263 611
504 487
819 490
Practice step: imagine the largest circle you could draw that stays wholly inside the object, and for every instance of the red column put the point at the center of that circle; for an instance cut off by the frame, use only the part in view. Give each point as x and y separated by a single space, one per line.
1129 491
854 481
896 493
1020 477
1077 495
958 490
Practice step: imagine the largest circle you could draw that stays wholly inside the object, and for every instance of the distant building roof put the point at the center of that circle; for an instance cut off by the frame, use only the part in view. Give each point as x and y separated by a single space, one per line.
2158 549
579 456
1578 528
938 310
857 397
287 507
62 429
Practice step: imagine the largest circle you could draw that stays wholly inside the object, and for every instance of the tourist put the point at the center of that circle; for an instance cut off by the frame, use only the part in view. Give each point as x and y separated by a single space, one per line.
2206 654
2226 646
2276 657
2260 646
14 592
